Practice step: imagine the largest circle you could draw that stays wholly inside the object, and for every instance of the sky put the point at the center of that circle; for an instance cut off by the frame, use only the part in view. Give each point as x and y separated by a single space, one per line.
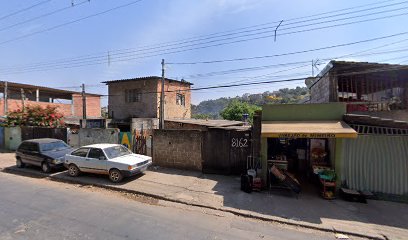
64 43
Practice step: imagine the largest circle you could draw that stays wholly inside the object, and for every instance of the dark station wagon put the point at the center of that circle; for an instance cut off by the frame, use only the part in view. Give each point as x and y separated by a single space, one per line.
47 153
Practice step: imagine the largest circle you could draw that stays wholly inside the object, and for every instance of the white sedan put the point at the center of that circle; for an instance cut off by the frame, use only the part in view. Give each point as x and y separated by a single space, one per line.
114 160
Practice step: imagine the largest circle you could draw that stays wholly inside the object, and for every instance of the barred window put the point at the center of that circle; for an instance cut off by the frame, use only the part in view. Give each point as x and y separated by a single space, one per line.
181 99
133 95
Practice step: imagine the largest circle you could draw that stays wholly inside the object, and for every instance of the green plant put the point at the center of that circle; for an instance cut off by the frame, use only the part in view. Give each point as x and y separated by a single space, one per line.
35 115
235 110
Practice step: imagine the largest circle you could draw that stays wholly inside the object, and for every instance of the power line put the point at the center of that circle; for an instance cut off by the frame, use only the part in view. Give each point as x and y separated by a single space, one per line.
140 50
202 47
70 22
24 9
44 15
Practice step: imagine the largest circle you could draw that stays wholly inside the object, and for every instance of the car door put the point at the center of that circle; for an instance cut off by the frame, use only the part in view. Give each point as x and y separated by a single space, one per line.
78 157
23 152
96 160
36 156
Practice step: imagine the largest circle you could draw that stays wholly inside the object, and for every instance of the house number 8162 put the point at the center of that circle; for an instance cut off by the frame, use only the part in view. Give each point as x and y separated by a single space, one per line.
239 142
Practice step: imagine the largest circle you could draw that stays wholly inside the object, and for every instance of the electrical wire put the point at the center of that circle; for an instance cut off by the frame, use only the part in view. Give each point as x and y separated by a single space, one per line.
140 50
24 9
43 15
70 22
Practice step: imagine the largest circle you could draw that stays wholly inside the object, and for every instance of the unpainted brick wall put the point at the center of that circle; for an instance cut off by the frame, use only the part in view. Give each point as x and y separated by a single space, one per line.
178 149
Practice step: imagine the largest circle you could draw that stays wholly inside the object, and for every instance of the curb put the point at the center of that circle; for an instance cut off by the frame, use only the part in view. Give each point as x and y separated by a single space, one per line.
159 197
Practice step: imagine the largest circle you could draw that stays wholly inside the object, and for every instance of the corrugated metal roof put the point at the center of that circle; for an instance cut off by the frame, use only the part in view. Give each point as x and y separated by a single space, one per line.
208 123
148 78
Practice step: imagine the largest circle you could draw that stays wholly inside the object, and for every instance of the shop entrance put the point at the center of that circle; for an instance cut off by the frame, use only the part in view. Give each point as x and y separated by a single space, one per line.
301 159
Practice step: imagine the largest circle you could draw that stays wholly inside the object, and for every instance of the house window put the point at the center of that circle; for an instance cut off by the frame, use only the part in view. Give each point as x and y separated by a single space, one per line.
181 99
133 95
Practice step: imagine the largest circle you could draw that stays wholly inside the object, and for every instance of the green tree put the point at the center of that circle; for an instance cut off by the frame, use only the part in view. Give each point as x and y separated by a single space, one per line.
235 109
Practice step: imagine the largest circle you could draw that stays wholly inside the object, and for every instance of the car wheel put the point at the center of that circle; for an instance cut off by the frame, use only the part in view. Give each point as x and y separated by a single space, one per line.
45 167
73 170
115 175
19 163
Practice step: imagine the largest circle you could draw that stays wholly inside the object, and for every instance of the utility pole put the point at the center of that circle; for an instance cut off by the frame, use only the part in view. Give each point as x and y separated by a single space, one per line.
161 123
5 98
22 99
83 102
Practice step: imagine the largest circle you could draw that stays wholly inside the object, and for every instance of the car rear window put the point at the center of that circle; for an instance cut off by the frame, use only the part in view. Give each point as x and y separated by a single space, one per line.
53 146
82 152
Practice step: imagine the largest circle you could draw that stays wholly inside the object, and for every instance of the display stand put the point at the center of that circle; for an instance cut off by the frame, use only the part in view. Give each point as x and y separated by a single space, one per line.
328 189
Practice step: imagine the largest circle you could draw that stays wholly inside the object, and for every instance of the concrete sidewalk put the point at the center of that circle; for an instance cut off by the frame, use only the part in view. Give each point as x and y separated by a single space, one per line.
377 219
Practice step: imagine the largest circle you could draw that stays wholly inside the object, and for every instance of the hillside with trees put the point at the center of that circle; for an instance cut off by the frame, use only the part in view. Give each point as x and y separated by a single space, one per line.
212 109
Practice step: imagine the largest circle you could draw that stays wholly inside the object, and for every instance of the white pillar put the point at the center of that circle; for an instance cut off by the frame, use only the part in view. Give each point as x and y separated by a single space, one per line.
37 95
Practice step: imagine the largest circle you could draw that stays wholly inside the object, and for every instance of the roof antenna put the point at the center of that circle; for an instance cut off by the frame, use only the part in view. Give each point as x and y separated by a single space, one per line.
276 29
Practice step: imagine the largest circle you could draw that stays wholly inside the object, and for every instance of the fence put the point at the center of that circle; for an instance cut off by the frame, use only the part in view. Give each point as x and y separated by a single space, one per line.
42 132
137 141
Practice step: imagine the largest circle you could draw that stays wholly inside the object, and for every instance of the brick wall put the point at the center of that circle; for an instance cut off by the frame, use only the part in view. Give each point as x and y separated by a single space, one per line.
149 105
171 109
13 104
93 106
177 149
146 108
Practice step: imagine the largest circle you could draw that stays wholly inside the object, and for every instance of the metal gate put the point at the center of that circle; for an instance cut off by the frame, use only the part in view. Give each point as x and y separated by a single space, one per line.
42 132
225 151
377 163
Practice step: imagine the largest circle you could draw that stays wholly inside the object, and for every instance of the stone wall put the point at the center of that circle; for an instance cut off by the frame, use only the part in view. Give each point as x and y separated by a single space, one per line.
178 149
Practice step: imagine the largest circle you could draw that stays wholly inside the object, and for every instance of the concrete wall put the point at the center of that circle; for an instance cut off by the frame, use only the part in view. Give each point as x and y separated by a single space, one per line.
303 112
324 90
178 149
12 138
171 109
145 124
97 135
146 108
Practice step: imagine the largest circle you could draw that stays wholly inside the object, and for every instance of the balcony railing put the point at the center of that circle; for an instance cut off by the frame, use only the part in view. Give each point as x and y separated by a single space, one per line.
374 106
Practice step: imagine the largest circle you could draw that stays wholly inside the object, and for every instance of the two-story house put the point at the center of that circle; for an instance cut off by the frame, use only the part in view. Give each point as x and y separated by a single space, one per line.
136 99
373 89
376 98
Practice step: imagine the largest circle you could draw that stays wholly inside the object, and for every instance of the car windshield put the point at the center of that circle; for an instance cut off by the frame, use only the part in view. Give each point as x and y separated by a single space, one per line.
117 151
53 146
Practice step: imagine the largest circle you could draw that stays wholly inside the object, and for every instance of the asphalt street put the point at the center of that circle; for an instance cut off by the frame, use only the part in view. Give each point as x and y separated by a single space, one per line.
41 209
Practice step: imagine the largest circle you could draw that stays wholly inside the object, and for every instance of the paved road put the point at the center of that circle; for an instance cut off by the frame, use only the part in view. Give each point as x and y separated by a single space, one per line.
42 209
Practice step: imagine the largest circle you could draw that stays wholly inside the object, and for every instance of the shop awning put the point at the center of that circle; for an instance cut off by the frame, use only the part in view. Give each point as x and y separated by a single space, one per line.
307 129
